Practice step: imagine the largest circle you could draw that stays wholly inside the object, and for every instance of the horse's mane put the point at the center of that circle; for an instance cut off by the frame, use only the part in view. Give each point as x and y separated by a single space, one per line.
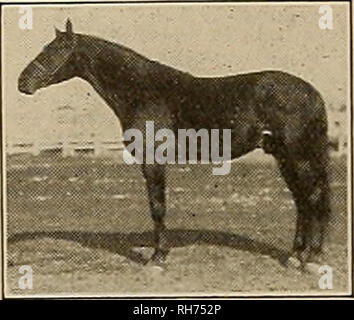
115 52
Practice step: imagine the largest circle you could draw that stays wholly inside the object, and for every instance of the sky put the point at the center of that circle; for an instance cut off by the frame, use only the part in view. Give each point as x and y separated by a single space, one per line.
203 39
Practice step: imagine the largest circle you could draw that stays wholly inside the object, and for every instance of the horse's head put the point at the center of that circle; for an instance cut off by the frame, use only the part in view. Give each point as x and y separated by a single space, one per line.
54 64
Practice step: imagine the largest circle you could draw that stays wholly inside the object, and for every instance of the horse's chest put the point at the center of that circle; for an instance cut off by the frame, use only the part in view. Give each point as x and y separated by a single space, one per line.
154 113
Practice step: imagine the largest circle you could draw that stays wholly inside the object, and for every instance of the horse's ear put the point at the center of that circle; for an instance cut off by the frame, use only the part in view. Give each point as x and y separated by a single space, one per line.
57 32
69 27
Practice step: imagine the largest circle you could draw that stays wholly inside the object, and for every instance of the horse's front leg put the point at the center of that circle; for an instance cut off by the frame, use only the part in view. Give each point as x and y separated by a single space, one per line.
155 181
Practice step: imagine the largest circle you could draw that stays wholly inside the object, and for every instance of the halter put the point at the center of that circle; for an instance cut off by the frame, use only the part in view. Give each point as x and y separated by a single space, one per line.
39 65
52 72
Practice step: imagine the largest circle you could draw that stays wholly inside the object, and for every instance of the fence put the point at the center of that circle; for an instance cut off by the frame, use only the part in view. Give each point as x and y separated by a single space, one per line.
338 147
67 148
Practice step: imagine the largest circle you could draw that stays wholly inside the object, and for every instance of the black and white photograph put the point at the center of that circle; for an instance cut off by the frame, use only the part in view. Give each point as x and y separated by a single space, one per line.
176 149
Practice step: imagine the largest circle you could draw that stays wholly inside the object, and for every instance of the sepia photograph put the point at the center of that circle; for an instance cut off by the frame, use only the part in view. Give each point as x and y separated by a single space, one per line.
176 149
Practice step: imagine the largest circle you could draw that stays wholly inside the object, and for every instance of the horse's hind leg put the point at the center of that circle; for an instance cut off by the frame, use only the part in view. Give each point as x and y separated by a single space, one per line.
155 181
307 180
319 199
289 173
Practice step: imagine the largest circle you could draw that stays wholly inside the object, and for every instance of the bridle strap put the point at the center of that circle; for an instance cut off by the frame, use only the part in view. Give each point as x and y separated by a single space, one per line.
52 72
39 65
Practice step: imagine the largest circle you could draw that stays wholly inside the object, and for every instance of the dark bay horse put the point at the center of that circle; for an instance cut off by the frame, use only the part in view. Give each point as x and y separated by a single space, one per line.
138 89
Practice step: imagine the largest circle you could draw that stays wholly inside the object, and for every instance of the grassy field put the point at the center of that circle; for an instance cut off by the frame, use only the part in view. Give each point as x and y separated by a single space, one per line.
84 226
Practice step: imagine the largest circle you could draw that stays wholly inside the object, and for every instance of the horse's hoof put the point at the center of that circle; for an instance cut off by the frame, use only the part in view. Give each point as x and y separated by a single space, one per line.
312 267
294 262
156 270
140 254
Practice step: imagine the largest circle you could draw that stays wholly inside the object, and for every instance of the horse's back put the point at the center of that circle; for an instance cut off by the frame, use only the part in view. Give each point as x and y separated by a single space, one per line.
248 103
273 96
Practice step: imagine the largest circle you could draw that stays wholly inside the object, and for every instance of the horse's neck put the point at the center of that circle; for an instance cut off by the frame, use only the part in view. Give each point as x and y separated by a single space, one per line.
118 74
101 64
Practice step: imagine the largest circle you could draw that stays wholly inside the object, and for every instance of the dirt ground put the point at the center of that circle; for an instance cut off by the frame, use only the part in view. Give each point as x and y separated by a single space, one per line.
84 227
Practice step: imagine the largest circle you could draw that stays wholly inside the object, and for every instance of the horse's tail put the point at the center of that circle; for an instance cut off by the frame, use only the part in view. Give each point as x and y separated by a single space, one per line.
318 150
317 132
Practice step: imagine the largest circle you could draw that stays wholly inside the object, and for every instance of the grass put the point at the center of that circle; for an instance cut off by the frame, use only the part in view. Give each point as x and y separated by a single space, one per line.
86 210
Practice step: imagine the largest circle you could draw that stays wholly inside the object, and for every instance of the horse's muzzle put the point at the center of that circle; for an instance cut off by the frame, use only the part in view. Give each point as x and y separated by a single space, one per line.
25 87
